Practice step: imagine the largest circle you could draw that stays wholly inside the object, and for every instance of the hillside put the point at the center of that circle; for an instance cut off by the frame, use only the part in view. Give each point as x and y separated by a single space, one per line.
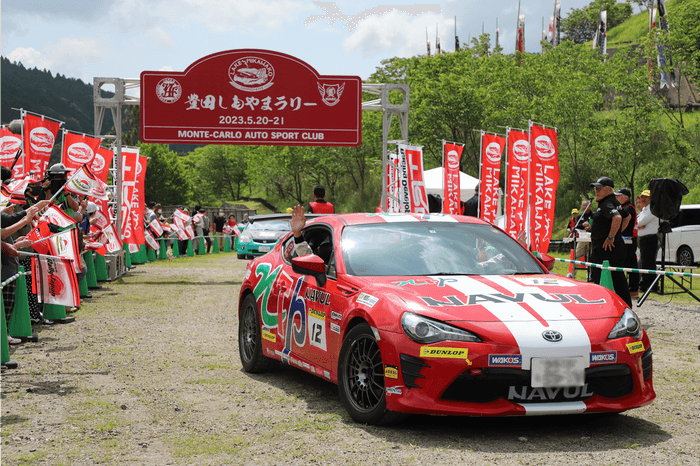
65 99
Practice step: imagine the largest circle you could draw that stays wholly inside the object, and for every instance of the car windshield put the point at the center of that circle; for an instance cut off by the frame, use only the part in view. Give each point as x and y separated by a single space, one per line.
433 248
278 224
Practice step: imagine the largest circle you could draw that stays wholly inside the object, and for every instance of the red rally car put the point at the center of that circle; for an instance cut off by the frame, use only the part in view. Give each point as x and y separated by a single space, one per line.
440 314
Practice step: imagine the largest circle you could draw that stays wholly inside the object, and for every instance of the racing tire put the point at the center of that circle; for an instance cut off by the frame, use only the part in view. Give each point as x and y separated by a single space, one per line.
685 256
250 338
361 379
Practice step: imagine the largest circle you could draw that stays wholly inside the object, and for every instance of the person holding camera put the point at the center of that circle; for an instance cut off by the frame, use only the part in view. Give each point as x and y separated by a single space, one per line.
56 177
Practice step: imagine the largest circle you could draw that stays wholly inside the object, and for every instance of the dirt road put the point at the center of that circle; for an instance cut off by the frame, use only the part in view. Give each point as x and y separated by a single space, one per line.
149 374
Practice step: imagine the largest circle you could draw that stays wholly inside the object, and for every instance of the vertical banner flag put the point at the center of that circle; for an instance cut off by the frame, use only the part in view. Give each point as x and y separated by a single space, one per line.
129 163
517 190
520 34
543 185
664 55
10 143
491 149
78 150
101 163
413 164
556 23
54 281
39 137
138 201
452 199
392 183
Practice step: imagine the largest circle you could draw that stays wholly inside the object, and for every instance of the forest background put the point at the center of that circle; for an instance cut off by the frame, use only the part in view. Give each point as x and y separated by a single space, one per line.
612 118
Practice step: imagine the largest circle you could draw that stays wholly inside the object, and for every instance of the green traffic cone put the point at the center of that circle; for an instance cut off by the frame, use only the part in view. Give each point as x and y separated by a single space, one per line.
20 325
143 257
5 357
151 255
227 244
190 248
57 313
125 247
606 277
162 252
202 246
215 246
101 268
90 275
176 248
136 257
82 286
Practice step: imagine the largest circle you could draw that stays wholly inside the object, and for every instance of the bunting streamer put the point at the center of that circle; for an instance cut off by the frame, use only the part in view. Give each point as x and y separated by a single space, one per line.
492 148
452 199
517 190
543 185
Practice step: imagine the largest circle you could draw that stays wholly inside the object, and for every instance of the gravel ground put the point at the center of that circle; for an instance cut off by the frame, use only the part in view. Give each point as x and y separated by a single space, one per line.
149 374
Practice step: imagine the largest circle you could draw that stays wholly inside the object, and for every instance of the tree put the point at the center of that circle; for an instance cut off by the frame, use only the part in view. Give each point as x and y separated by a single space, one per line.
166 181
220 171
581 24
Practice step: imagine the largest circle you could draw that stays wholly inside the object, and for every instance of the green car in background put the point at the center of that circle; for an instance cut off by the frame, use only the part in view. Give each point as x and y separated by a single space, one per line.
261 234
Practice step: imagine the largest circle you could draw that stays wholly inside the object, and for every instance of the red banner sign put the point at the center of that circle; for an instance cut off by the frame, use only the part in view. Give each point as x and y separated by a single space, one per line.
250 96
78 150
10 143
39 138
491 150
516 182
101 163
452 202
543 186
412 187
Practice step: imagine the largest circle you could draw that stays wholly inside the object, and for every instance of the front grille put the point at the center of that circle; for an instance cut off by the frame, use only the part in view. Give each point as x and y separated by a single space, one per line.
492 383
265 241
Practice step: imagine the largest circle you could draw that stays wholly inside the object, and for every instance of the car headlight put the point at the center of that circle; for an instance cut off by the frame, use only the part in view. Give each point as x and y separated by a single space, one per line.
629 325
423 330
245 239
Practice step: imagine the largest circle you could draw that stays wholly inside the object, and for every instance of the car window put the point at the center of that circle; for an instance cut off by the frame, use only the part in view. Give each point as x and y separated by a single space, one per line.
270 225
433 248
320 240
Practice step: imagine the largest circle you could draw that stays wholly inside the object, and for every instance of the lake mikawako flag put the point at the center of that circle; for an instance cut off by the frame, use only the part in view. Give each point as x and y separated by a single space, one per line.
544 180
54 281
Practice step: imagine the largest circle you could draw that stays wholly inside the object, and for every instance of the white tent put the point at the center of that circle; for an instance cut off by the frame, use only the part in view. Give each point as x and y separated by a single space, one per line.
434 177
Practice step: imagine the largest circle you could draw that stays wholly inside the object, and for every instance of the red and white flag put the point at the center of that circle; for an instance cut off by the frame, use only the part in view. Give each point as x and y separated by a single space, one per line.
54 215
65 244
84 182
134 248
78 150
543 186
520 34
412 197
54 281
101 163
130 199
39 138
392 183
156 227
10 144
491 149
190 231
38 236
517 190
452 198
150 241
5 195
110 239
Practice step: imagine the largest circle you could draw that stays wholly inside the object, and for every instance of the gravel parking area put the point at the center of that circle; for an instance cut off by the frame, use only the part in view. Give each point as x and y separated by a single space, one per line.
149 374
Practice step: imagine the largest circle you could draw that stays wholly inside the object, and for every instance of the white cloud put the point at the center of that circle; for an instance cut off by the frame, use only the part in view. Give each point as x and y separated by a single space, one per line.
68 56
161 36
165 68
399 34
30 58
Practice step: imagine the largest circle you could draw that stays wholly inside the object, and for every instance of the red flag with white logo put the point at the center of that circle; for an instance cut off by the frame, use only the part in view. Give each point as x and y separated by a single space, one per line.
130 158
156 227
65 244
452 199
84 182
54 215
517 189
491 149
78 150
138 201
39 138
54 281
543 186
10 143
150 241
101 163
392 183
416 185
110 238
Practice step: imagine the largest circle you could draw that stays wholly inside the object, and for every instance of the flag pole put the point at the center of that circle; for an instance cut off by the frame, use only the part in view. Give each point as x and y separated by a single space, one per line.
507 181
481 143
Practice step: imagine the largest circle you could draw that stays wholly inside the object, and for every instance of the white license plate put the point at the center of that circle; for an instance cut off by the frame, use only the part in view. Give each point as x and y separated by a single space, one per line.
264 248
558 372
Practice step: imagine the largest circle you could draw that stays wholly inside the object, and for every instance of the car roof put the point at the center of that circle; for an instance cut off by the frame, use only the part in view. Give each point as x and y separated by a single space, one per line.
370 218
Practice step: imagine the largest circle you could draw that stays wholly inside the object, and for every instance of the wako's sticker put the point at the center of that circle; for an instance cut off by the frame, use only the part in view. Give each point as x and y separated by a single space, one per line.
444 353
636 347
604 357
367 300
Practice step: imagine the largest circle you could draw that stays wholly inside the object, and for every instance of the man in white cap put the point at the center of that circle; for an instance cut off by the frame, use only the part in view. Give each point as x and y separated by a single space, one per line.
647 228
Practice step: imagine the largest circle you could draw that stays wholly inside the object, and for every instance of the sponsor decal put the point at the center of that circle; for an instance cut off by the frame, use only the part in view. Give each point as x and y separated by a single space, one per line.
335 328
327 375
505 359
393 391
317 328
543 281
547 394
269 336
336 315
262 291
552 335
604 357
330 93
367 300
502 298
391 372
251 74
318 296
636 347
444 352
168 90
247 274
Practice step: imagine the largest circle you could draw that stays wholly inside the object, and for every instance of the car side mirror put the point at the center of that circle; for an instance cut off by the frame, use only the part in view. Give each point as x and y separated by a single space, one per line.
310 264
547 261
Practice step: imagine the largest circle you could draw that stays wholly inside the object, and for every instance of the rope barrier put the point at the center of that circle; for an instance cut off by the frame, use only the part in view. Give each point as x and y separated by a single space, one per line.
625 269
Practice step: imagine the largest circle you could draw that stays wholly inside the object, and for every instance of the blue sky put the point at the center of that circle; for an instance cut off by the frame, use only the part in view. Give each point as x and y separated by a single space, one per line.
120 38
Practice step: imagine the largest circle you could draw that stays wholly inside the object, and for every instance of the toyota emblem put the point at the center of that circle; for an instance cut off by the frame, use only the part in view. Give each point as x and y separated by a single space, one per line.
551 335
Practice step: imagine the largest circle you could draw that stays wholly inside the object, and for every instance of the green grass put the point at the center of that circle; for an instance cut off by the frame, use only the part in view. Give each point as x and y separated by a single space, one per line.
207 445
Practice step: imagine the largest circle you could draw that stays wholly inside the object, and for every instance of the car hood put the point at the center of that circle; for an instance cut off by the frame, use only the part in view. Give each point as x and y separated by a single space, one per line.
492 298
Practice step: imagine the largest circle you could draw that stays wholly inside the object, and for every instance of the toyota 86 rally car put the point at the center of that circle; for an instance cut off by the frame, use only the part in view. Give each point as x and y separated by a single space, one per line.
440 314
